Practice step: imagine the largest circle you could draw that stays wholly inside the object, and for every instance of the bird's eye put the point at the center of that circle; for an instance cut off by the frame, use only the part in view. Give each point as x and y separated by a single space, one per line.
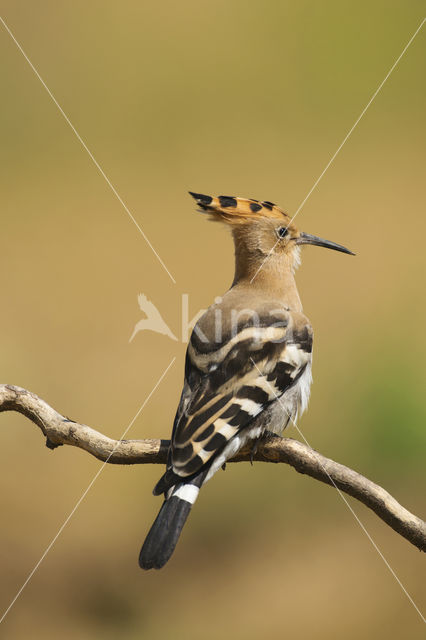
282 232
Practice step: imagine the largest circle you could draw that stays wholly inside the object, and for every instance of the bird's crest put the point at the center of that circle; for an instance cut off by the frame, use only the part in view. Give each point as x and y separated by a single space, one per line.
238 210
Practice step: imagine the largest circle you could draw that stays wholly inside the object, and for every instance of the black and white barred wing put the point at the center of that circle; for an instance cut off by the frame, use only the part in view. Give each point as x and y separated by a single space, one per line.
226 388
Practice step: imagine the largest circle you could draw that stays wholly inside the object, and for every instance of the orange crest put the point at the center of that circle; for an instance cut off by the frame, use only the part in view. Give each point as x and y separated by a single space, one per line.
238 210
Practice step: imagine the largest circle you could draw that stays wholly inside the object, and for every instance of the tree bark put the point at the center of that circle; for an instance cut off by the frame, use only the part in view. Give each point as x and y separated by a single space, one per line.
60 430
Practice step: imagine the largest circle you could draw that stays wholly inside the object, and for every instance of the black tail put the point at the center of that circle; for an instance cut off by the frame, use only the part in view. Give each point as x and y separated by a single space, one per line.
164 533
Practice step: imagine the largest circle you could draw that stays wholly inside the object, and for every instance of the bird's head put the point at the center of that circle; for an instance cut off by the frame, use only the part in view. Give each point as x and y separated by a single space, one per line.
261 229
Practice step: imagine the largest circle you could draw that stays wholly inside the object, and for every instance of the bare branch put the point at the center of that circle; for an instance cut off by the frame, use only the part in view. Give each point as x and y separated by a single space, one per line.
60 430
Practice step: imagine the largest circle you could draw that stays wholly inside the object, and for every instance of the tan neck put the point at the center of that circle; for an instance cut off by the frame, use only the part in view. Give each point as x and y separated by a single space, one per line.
273 276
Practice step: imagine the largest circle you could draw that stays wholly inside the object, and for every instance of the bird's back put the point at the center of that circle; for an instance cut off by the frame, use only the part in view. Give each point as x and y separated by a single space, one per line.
240 361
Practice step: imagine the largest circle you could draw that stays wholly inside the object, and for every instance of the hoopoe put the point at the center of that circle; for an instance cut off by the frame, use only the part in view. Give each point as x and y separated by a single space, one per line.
248 361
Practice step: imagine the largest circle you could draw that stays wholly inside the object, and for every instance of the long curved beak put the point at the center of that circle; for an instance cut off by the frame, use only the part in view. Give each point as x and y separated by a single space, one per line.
307 238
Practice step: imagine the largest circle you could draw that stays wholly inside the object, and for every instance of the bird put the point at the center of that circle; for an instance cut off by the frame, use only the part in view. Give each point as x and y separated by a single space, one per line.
248 365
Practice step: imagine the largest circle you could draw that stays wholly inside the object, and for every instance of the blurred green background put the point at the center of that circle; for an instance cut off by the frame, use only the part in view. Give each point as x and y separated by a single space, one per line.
242 98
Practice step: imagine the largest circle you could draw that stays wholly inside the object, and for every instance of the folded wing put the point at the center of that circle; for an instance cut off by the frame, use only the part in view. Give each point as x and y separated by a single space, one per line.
226 387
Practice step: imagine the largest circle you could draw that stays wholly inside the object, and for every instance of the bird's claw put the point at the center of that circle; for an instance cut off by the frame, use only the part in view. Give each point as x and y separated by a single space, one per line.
253 451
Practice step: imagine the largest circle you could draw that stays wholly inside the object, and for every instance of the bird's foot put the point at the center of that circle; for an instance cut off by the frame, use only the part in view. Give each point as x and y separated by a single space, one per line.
253 451
266 435
270 435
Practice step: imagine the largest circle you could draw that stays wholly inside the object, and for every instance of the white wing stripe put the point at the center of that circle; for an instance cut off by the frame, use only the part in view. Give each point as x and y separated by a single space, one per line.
258 334
249 406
